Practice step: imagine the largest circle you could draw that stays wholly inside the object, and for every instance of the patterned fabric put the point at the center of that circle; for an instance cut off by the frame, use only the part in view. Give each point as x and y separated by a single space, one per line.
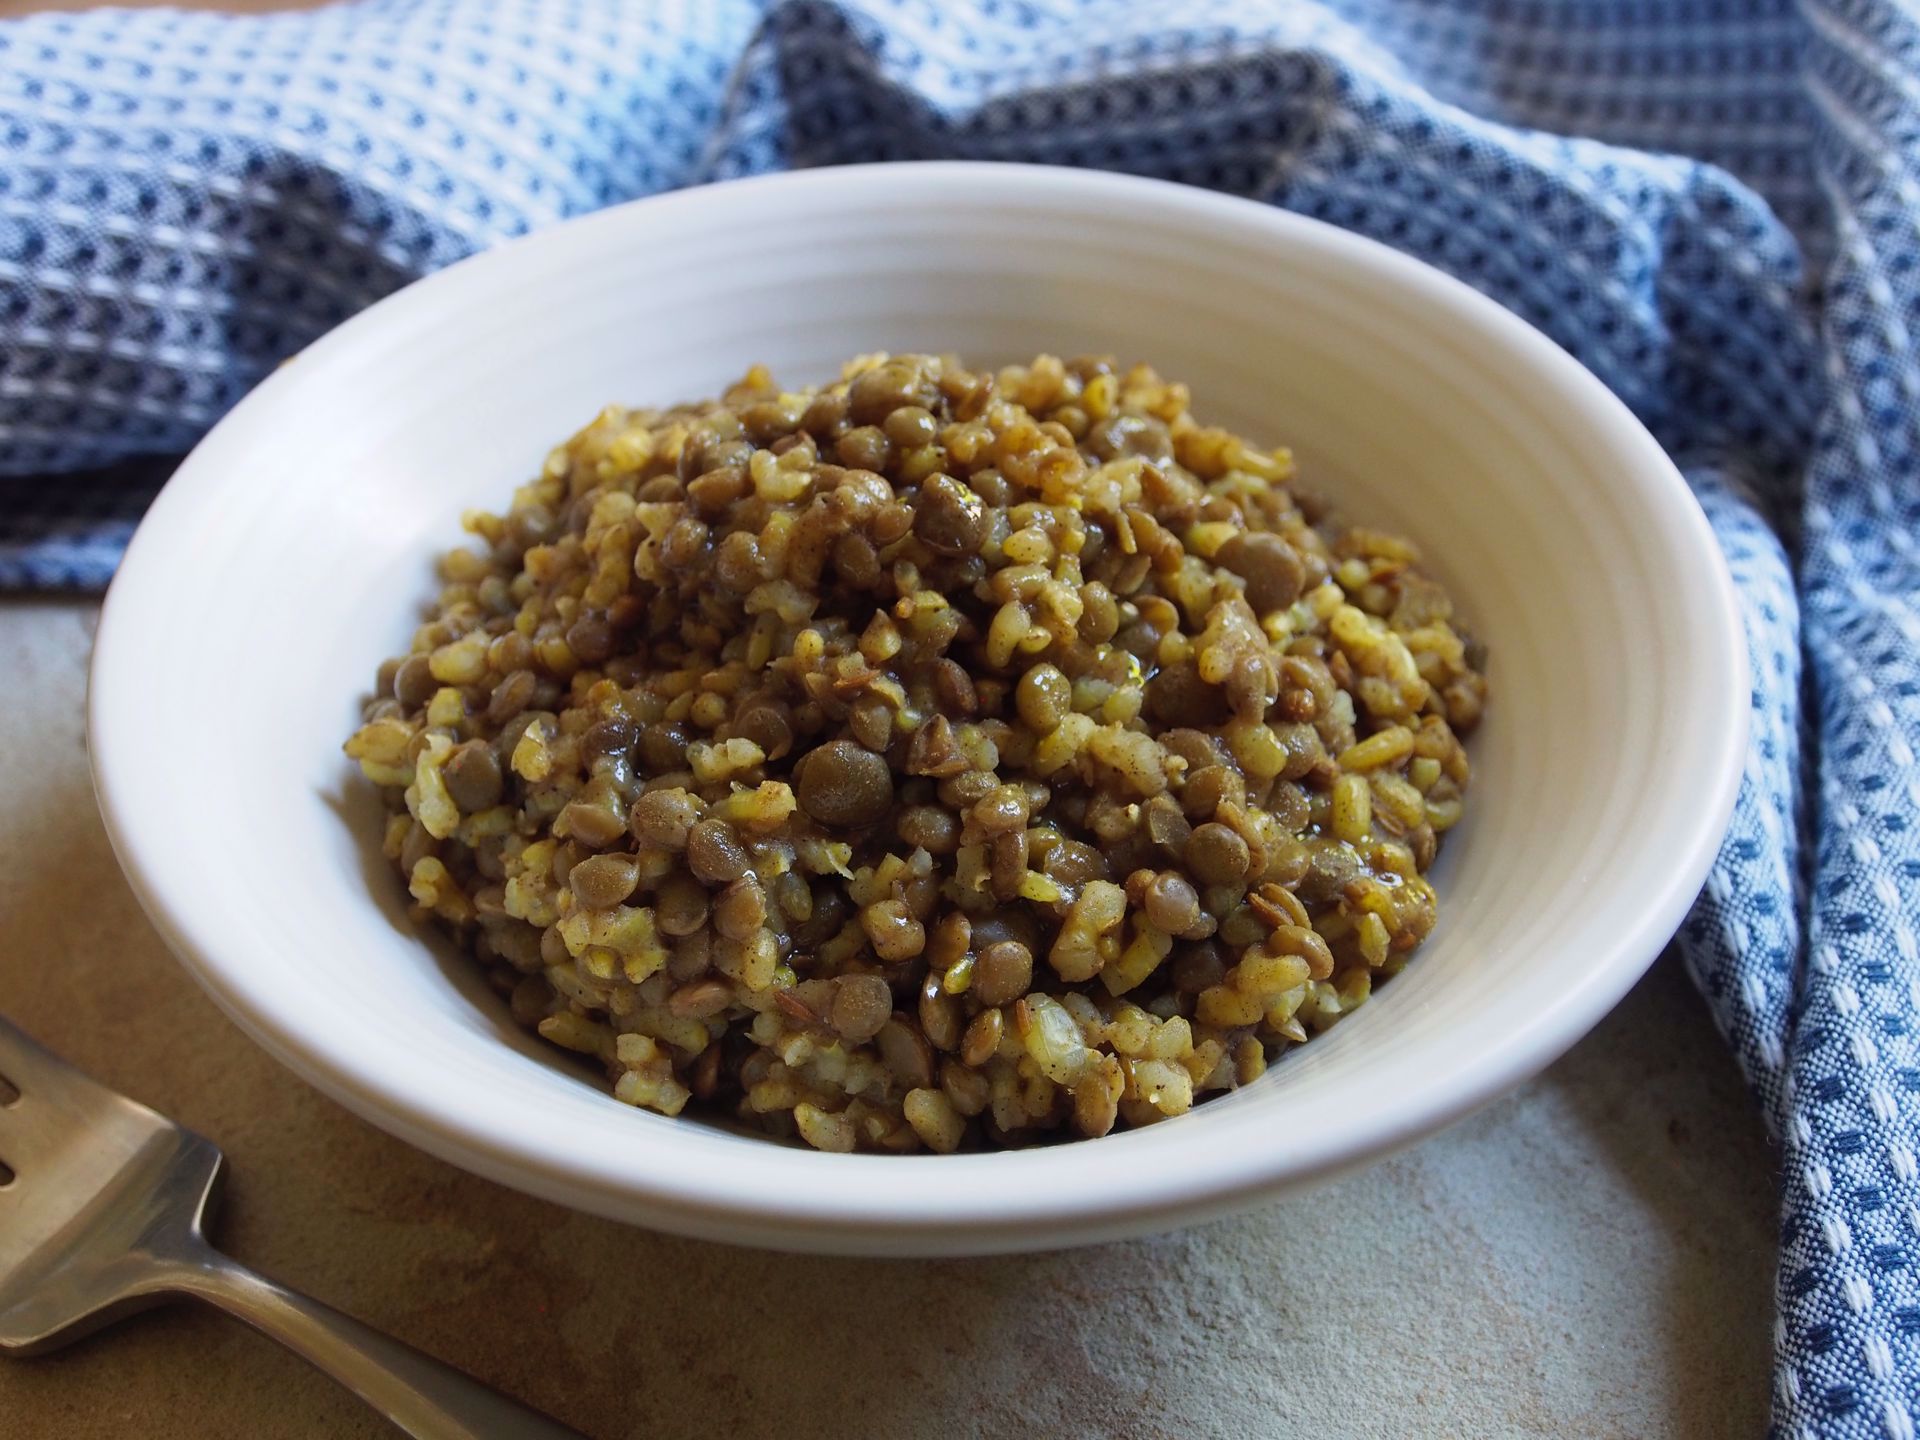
1714 204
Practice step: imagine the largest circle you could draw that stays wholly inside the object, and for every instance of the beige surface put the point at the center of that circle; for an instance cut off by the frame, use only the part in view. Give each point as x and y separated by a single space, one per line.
1591 1257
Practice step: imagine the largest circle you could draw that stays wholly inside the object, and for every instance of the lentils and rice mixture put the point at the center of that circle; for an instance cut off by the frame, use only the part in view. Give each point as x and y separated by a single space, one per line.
937 759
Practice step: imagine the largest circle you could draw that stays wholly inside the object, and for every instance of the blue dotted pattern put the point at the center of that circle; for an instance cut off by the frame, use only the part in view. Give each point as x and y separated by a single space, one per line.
1710 202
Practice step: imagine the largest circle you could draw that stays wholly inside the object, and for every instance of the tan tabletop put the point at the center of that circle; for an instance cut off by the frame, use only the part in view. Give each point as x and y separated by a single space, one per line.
1592 1256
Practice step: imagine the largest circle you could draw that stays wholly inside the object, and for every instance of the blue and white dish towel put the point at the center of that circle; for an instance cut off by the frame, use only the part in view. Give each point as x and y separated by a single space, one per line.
1715 204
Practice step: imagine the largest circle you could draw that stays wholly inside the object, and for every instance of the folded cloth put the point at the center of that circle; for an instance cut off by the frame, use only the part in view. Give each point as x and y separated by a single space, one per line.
1712 203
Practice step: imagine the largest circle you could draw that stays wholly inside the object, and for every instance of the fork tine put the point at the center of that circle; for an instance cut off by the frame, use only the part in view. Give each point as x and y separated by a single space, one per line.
28 1066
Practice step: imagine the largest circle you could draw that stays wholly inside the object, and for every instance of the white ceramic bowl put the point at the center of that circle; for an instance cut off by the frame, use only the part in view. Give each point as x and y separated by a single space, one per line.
288 555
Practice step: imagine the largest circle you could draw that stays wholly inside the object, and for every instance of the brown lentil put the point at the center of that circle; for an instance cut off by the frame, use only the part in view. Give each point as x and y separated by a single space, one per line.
665 818
473 777
1001 809
843 783
905 1052
982 1039
741 910
512 694
1044 697
603 881
413 682
861 1005
930 828
967 1089
1217 855
681 905
591 824
1171 905
715 854
700 999
1269 565
940 1016
1002 972
754 700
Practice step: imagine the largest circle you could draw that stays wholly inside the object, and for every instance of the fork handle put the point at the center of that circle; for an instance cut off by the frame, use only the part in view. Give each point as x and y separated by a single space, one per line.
423 1397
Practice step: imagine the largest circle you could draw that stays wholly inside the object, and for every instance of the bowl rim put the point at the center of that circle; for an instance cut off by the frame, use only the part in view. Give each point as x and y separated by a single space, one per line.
921 1204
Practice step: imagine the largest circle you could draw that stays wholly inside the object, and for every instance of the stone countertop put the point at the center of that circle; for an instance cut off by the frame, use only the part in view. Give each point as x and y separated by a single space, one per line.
1591 1256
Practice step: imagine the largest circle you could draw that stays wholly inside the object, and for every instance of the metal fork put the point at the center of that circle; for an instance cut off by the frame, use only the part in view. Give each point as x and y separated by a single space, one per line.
102 1203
